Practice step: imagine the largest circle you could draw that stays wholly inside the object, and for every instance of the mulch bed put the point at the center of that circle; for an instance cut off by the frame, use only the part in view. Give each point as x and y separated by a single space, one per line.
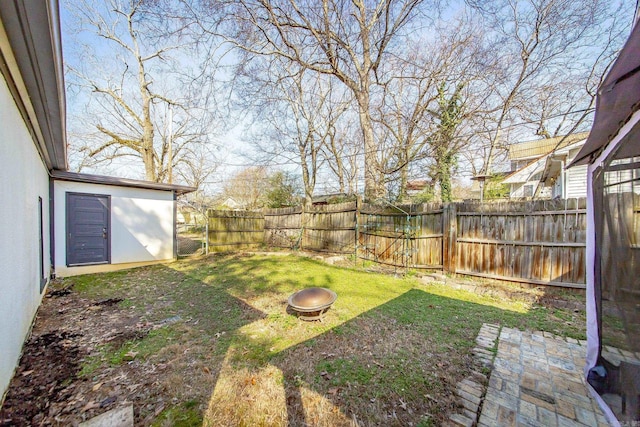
47 389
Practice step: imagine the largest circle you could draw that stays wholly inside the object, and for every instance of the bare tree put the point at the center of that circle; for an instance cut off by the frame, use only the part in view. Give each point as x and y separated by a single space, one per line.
414 113
295 113
257 187
140 102
342 151
347 40
536 42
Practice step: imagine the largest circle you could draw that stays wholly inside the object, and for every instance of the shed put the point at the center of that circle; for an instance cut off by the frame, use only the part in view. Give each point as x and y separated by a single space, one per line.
105 223
612 156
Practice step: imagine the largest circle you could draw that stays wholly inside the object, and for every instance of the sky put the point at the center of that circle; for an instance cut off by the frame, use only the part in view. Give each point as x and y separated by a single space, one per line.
232 147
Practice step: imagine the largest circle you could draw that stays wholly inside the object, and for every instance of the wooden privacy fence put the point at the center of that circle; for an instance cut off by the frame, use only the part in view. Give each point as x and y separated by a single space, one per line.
541 242
408 236
231 230
327 228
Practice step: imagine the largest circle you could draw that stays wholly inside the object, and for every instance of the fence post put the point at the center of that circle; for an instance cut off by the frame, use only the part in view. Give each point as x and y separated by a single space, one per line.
303 222
449 238
356 236
206 234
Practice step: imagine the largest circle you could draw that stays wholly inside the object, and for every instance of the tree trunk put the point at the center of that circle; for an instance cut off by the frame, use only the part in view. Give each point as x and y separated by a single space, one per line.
148 153
373 182
404 178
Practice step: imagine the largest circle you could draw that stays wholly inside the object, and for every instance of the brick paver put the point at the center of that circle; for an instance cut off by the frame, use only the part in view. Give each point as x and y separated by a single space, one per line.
537 380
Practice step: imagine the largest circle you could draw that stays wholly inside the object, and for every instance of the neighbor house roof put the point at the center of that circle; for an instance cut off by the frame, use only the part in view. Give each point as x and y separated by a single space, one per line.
524 174
122 182
542 164
31 63
416 185
540 147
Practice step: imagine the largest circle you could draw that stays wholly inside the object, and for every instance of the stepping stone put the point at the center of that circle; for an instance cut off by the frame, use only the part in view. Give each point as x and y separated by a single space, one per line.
118 417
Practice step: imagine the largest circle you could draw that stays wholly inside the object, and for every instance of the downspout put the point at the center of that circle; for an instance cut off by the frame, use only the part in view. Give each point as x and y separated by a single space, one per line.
175 225
563 180
52 231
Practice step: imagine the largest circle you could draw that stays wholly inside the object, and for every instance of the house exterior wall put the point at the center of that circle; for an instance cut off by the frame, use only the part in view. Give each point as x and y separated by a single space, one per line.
576 181
142 226
519 190
24 179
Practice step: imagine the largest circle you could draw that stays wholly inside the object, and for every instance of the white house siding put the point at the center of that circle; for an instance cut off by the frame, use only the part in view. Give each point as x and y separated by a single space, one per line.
576 180
142 226
518 190
24 179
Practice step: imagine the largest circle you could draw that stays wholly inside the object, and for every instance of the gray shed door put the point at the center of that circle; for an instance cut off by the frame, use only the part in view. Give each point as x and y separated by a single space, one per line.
88 229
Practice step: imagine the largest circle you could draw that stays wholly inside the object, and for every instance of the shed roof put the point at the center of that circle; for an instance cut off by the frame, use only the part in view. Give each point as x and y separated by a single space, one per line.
122 182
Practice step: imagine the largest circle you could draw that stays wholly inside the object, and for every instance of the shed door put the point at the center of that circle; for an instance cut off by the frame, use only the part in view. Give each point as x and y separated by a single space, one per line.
88 231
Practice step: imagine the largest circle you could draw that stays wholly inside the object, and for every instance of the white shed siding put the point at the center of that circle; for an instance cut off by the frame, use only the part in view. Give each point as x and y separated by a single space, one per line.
576 180
24 179
141 225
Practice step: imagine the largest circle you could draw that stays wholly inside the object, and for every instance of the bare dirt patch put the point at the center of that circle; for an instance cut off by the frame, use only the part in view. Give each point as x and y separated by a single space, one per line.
49 387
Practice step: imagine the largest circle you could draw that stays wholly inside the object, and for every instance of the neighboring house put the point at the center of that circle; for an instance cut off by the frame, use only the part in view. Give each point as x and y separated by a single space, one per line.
53 221
538 168
416 186
230 203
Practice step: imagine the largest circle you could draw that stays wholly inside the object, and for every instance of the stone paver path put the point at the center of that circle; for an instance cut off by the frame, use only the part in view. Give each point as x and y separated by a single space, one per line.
537 380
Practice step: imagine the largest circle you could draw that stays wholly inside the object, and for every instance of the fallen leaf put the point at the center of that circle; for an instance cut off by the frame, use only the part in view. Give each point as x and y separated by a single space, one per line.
108 401
403 405
27 373
96 387
130 355
159 409
90 405
206 370
133 387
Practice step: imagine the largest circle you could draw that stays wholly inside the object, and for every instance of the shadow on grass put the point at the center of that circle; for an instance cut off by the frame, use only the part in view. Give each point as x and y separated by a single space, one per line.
396 364
389 352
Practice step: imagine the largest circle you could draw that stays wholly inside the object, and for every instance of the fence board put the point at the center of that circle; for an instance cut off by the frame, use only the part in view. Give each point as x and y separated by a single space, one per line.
232 230
541 242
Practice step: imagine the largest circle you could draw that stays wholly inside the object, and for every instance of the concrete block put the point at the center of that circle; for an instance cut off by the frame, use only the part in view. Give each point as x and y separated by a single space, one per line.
117 417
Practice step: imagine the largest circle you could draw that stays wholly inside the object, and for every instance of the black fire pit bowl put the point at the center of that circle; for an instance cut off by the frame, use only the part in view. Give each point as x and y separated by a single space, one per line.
312 303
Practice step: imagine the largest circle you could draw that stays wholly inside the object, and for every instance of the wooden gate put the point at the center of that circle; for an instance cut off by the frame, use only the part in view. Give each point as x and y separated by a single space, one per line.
408 236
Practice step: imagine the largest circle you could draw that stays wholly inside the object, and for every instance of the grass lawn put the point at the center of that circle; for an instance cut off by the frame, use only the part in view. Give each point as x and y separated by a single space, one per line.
219 348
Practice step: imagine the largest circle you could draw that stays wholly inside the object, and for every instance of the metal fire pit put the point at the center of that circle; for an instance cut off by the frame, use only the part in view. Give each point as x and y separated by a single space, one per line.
312 303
